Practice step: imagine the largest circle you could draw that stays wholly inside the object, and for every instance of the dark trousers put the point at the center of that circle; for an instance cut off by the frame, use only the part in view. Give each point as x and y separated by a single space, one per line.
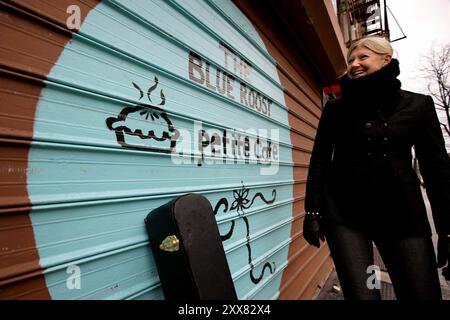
411 264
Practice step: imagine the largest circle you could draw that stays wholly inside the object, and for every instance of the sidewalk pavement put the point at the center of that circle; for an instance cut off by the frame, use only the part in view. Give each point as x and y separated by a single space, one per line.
331 290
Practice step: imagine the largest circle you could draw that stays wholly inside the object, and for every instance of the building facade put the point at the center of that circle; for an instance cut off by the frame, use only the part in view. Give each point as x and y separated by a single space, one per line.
110 109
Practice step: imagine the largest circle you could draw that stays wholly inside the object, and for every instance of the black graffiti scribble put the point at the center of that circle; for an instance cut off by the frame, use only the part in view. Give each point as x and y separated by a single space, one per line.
240 203
151 112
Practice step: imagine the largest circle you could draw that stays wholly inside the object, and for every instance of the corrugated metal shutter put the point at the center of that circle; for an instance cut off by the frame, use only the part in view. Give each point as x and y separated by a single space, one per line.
92 126
307 266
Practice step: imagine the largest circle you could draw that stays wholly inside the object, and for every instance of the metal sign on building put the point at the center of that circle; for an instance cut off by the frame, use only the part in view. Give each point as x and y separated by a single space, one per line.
359 18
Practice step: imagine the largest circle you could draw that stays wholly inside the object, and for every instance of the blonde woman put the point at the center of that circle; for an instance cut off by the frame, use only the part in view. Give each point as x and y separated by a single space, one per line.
361 187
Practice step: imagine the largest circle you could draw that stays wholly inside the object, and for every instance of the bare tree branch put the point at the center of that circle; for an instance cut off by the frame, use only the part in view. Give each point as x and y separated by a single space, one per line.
445 127
435 68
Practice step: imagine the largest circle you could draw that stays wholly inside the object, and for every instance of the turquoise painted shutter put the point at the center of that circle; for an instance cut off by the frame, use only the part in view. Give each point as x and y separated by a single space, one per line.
128 120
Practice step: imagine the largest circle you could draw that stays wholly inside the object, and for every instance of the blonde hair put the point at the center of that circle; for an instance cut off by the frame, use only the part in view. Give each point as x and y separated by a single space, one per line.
379 45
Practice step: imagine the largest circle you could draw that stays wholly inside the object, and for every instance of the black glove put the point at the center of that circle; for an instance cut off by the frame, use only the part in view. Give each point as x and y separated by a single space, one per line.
312 230
443 251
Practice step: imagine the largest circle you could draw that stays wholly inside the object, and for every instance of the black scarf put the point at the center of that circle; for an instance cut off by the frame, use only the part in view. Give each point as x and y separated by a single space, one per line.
379 89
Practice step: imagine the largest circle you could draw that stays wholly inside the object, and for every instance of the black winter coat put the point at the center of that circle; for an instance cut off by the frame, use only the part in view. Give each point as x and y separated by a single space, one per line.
361 171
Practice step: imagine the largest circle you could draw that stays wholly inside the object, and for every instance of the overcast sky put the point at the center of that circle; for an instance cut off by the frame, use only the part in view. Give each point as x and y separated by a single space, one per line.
426 24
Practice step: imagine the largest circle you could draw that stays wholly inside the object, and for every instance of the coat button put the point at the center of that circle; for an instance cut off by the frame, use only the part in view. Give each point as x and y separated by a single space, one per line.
384 155
385 124
368 125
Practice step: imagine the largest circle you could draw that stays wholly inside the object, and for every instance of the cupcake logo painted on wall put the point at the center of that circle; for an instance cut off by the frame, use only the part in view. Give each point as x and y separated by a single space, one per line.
145 126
